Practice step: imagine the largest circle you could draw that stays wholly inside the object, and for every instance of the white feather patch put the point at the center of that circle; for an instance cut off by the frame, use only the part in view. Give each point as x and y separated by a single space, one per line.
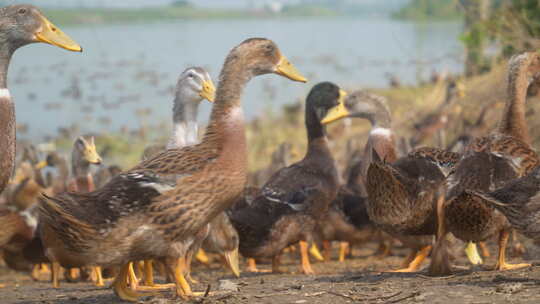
161 188
4 93
381 132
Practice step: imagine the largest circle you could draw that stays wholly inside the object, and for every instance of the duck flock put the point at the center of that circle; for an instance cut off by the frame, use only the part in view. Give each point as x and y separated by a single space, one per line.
190 198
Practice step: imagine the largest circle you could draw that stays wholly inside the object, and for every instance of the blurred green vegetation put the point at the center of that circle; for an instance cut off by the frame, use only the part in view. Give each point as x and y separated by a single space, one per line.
430 10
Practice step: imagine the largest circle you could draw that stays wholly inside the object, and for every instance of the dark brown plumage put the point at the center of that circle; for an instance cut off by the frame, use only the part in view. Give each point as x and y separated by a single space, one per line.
295 197
519 201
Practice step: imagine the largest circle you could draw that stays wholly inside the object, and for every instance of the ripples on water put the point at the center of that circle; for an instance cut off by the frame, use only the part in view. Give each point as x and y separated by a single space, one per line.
126 73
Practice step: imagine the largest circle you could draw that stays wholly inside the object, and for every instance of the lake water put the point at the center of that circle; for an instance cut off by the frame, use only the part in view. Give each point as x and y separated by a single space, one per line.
126 70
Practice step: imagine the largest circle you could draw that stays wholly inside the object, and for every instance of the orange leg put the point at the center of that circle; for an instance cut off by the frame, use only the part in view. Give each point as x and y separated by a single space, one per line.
148 273
120 286
501 262
55 272
98 276
484 250
306 265
343 248
419 257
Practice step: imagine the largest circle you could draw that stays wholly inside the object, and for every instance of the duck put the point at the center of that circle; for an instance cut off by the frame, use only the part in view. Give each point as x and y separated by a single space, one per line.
437 121
291 202
193 86
83 155
518 201
20 25
402 191
149 211
348 220
489 163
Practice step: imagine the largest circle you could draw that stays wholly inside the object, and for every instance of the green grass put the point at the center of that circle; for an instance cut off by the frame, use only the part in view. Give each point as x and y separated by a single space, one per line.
423 10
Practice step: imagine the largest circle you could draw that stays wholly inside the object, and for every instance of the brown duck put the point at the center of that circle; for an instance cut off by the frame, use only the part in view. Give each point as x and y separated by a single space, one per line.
402 194
488 163
20 25
348 220
151 210
519 201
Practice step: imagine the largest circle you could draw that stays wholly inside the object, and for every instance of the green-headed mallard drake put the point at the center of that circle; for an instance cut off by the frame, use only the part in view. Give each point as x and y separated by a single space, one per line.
401 192
20 25
153 209
504 155
295 197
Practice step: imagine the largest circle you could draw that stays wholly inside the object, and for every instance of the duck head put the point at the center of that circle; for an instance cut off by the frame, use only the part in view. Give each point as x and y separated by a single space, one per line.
194 85
24 24
360 104
324 97
87 149
262 56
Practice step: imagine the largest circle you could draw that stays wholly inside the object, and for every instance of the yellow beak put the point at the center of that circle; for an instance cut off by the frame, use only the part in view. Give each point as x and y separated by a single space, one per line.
208 91
50 34
42 164
286 69
232 261
338 111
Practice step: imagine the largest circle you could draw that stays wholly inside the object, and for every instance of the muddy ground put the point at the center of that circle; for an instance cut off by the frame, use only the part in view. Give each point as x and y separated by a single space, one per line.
360 279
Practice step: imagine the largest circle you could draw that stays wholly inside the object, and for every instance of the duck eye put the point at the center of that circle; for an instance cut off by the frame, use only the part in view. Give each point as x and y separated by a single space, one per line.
190 75
22 11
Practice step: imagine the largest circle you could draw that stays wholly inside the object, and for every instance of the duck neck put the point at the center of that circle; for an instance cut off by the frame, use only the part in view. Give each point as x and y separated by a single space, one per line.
226 128
513 122
7 118
185 129
79 167
316 133
6 53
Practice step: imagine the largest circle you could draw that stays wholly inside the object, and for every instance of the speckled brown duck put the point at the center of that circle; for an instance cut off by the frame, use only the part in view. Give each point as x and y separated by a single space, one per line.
519 201
488 163
20 25
348 219
148 212
295 197
193 86
402 193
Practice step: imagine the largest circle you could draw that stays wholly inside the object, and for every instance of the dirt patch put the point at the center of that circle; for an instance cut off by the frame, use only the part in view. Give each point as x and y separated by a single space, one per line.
358 280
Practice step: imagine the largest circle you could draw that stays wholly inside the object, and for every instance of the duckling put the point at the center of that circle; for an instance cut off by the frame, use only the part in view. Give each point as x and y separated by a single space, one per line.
153 209
498 158
20 25
295 197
